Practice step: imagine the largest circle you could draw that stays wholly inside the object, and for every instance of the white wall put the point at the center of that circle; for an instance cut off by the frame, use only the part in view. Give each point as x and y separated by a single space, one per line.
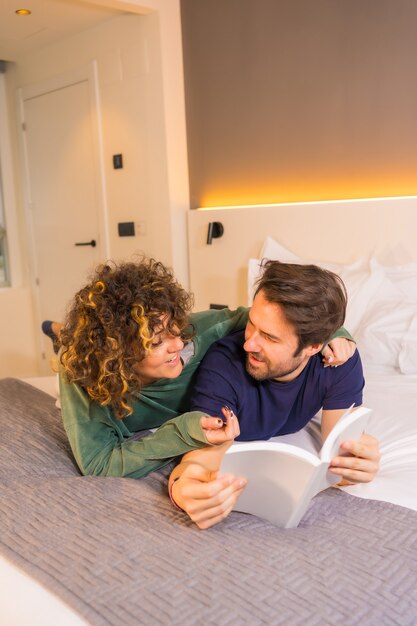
142 109
18 341
169 15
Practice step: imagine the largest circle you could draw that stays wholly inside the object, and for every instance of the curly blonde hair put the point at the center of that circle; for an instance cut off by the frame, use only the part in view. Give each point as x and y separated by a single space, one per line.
110 324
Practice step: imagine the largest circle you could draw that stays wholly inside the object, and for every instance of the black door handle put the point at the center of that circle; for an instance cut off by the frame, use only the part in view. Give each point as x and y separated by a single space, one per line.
91 243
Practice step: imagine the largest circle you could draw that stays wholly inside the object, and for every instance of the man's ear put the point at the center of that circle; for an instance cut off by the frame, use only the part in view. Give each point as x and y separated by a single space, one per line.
314 349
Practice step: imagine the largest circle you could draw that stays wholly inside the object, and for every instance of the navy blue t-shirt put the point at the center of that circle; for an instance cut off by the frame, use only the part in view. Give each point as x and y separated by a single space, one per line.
269 408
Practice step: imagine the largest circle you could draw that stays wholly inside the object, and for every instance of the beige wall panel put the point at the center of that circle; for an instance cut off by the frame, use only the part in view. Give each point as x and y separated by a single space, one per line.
341 232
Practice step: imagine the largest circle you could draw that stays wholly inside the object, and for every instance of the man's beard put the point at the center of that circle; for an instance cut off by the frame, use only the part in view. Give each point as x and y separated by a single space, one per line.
268 372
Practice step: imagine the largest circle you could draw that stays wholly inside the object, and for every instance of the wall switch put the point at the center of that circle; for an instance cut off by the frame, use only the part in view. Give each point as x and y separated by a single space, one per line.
117 161
126 229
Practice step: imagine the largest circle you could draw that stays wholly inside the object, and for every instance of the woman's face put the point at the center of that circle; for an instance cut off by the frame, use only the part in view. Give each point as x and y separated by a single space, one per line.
163 360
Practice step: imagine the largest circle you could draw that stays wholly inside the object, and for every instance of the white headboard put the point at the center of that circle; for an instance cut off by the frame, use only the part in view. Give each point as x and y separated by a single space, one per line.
340 231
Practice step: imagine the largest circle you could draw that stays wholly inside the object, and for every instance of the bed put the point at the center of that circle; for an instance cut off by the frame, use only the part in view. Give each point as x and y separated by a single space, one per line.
106 551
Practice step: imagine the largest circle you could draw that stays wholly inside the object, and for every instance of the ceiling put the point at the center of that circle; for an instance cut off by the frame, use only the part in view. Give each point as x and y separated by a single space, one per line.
50 21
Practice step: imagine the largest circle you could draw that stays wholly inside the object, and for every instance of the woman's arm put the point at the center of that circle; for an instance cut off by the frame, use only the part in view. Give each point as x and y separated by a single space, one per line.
101 446
340 348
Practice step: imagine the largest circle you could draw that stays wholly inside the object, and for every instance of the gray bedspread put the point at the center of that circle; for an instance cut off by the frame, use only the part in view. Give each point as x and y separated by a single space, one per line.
118 553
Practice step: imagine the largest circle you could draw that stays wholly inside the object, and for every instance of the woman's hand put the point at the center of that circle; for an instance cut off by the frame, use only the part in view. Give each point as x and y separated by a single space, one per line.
362 463
217 431
338 351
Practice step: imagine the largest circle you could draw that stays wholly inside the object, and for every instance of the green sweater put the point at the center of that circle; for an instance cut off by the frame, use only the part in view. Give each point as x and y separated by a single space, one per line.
102 444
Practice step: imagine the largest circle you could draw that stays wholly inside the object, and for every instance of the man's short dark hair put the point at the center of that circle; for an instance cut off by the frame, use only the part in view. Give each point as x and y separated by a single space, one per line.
313 299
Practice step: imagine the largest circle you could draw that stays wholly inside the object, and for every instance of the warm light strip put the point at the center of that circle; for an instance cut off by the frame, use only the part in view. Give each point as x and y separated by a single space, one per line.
249 206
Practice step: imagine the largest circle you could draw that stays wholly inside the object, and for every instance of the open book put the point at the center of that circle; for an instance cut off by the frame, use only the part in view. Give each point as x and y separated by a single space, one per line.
284 477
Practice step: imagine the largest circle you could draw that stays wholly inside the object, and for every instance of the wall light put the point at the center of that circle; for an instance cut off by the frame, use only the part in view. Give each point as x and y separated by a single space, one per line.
312 202
215 230
23 12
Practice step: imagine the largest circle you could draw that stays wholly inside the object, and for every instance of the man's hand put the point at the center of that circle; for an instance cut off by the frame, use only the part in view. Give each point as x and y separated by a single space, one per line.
362 462
206 498
338 351
195 485
217 431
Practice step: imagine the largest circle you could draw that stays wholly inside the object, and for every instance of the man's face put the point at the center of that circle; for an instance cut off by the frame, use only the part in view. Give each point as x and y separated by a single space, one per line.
271 343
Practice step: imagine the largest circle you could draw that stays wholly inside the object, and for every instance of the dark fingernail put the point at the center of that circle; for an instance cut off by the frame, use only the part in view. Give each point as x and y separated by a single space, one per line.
220 421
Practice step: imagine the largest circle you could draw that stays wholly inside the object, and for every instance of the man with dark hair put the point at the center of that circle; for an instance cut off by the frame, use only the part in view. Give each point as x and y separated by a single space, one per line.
271 376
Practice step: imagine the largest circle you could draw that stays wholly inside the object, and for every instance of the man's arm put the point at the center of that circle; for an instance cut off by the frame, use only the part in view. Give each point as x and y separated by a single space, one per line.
361 463
196 488
344 387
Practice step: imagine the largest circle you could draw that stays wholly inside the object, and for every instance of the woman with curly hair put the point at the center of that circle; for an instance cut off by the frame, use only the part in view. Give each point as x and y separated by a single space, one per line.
126 331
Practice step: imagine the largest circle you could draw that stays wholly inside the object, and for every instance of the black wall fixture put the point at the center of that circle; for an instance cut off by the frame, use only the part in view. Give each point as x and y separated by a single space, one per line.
215 230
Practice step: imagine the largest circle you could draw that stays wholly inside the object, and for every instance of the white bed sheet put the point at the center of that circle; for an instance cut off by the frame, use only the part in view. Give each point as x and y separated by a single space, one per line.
393 398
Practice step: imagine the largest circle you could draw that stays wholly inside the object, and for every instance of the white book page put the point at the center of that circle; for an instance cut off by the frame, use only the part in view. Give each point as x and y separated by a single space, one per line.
309 439
278 475
350 426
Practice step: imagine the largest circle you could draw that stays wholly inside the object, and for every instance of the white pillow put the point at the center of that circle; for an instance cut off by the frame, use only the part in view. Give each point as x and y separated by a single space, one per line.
407 359
404 277
361 279
382 334
275 251
386 335
362 282
254 272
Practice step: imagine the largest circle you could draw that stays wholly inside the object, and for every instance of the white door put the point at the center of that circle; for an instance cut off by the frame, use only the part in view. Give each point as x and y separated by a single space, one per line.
64 199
